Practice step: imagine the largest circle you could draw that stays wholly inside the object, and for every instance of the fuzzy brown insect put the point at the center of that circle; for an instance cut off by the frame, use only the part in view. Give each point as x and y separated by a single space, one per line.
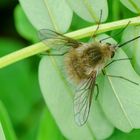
83 62
87 60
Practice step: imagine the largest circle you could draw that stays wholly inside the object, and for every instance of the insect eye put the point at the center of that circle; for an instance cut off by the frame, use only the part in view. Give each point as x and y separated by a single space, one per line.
112 55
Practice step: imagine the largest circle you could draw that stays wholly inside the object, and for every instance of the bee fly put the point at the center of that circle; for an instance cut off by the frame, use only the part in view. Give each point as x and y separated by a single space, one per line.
83 62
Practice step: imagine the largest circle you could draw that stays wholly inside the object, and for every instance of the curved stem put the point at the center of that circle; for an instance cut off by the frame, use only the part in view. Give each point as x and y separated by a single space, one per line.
82 33
6 124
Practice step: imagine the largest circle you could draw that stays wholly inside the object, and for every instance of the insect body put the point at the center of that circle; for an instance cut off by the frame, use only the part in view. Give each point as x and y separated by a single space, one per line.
83 62
87 59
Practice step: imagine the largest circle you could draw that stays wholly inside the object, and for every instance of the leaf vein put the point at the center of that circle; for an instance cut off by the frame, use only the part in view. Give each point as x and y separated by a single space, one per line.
90 10
135 6
119 101
51 16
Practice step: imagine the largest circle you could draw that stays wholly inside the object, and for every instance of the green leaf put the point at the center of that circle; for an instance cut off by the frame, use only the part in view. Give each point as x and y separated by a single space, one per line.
2 136
132 49
118 135
78 23
133 5
116 93
48 128
58 95
23 25
19 90
114 10
120 98
5 124
90 9
55 15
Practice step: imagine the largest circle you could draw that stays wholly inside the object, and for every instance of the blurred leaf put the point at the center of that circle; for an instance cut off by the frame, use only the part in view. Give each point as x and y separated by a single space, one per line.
2 136
78 23
120 98
90 9
23 25
114 9
4 3
59 98
5 124
48 129
133 5
50 14
19 90
132 49
118 135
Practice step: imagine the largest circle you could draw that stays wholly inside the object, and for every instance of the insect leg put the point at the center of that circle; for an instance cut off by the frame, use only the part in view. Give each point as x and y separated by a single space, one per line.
121 77
98 24
51 54
117 60
97 91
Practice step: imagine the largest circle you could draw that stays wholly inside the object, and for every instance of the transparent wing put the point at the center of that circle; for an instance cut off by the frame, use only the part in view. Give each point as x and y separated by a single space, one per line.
57 41
82 99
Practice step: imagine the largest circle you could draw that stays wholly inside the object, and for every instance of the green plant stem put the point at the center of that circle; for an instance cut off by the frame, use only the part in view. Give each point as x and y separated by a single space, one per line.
82 33
6 124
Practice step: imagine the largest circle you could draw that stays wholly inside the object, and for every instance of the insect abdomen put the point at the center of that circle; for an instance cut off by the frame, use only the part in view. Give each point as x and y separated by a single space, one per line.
74 67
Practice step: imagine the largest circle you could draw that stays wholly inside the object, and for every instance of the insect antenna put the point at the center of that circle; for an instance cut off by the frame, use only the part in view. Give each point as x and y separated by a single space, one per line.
127 42
116 33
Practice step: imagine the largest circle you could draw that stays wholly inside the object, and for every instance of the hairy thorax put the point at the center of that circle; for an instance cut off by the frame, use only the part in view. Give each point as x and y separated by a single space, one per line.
82 61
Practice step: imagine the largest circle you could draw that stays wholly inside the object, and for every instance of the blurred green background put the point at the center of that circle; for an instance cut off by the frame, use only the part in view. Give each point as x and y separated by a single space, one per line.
19 88
20 94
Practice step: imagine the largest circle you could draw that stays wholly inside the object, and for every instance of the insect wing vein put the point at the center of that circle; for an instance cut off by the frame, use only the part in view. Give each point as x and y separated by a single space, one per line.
82 100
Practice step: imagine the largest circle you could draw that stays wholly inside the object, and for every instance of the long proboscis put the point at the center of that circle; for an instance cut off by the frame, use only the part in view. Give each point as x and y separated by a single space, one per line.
128 41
